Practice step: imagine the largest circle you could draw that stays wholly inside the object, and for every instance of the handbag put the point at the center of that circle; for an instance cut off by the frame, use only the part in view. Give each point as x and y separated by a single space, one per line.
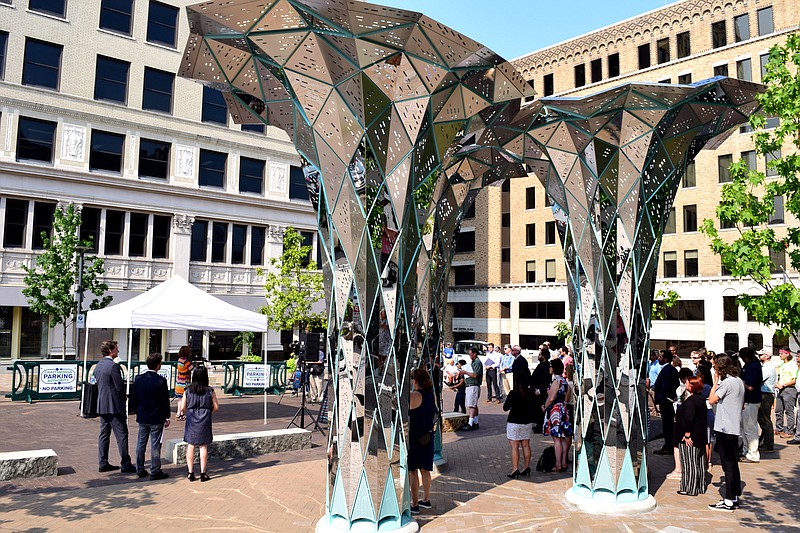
425 439
547 461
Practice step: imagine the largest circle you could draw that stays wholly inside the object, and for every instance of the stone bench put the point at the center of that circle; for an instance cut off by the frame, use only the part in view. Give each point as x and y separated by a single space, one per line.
239 445
453 421
28 463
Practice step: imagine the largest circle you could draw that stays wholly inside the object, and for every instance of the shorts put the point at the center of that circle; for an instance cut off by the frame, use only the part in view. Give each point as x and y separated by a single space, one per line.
473 393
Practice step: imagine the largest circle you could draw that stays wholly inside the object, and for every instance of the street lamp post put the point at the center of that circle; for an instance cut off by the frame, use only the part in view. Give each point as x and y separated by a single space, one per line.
79 293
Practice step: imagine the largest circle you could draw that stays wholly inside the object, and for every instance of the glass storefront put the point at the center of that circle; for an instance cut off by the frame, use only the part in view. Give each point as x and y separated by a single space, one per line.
34 333
6 320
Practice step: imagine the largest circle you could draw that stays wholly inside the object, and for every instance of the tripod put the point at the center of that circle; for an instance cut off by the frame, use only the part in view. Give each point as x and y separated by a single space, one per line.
303 410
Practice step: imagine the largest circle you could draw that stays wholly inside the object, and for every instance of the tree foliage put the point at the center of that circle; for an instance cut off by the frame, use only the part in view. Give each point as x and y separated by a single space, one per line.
666 300
747 201
292 286
49 285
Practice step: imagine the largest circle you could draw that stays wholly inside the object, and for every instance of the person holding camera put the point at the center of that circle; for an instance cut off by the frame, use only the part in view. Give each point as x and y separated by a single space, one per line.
316 371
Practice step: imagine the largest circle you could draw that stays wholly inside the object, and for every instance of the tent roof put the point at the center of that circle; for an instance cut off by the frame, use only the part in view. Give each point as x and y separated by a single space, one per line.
176 304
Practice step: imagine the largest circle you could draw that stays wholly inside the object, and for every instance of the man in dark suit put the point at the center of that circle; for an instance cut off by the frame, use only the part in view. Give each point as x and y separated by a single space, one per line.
111 408
665 392
150 400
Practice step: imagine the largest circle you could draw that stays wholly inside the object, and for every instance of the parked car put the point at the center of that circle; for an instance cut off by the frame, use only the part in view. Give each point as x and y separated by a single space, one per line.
461 349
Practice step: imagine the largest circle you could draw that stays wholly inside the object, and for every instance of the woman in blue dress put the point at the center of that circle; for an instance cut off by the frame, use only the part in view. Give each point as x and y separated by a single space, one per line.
557 421
196 406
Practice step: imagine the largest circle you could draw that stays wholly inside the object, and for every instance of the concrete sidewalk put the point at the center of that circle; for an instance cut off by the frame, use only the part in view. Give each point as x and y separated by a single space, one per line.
286 492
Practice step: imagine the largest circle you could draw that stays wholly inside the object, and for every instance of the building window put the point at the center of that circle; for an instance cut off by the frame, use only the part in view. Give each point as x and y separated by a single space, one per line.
137 242
548 84
162 228
214 108
723 168
763 59
105 151
719 34
721 70
111 80
251 175
765 25
157 92
644 56
51 7
662 50
550 270
665 80
506 186
115 232
684 44
613 65
298 190
465 242
3 47
154 159
690 265
670 226
530 272
778 260
42 64
550 233
219 242
580 75
238 244
162 24
505 256
464 275
42 223
744 70
505 220
730 309
768 159
689 218
463 309
690 176
749 158
90 227
547 202
469 213
741 27
212 169
530 235
505 311
731 342
35 139
685 79
670 264
530 198
15 223
116 15
252 128
258 235
542 310
777 210
199 240
596 67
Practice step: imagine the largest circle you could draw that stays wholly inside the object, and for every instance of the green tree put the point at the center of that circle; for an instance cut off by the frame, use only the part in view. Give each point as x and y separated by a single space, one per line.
292 286
49 285
748 200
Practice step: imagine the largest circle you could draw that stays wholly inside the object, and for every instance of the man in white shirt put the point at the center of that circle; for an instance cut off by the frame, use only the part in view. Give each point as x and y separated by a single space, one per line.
491 365
769 376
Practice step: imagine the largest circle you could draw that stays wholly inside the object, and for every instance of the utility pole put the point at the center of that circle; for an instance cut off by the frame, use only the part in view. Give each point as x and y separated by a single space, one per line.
79 293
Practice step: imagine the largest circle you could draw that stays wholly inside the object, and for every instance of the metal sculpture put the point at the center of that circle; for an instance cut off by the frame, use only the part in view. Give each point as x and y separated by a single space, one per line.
403 121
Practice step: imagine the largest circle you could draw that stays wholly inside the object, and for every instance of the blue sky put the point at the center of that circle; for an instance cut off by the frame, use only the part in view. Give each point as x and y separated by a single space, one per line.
516 27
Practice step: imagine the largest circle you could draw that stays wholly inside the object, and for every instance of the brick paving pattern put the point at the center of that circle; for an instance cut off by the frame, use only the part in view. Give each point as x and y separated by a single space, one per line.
285 492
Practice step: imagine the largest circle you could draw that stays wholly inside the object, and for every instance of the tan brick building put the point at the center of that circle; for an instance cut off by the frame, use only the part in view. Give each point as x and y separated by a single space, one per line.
92 112
510 286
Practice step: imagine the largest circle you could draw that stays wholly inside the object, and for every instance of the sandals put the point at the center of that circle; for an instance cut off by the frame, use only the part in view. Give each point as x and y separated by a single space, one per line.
191 477
204 476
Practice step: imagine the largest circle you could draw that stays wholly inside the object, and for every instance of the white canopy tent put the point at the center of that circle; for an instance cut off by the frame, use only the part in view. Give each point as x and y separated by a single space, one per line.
174 304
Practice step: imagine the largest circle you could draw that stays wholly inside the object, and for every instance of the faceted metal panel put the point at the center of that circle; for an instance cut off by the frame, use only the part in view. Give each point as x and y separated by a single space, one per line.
402 121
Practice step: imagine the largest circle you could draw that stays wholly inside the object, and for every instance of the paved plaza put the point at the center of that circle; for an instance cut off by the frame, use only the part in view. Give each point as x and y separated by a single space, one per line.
285 492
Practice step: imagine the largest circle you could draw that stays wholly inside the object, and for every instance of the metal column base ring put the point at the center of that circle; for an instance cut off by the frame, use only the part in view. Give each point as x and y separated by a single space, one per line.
597 505
340 525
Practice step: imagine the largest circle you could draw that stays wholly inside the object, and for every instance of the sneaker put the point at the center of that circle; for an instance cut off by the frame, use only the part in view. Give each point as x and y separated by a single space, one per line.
415 509
746 460
130 469
721 506
425 504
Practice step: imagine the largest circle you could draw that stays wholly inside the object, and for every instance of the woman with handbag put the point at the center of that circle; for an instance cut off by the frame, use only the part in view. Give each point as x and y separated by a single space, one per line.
557 422
519 426
421 417
691 425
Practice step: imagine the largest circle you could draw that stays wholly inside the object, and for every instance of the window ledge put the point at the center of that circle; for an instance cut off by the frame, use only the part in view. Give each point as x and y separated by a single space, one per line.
162 46
117 34
48 15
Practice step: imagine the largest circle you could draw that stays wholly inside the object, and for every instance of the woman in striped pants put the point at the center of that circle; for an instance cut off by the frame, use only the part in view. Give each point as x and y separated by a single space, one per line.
691 423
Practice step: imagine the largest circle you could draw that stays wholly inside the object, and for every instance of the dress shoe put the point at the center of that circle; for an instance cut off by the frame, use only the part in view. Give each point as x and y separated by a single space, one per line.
155 476
514 474
108 468
204 476
130 469
793 441
526 472
143 473
191 477
766 449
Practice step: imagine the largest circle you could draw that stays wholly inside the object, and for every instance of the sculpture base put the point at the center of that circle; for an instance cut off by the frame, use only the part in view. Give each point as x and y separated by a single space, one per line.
604 506
339 525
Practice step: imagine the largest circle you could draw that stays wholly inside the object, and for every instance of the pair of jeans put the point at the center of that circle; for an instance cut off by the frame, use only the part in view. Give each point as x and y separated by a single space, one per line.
728 449
154 432
767 438
119 424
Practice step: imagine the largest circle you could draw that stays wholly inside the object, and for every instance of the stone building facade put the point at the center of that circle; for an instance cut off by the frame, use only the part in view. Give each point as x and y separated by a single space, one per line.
91 112
510 286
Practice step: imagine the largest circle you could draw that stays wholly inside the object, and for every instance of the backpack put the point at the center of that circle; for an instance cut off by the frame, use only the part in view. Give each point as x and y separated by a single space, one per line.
547 461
